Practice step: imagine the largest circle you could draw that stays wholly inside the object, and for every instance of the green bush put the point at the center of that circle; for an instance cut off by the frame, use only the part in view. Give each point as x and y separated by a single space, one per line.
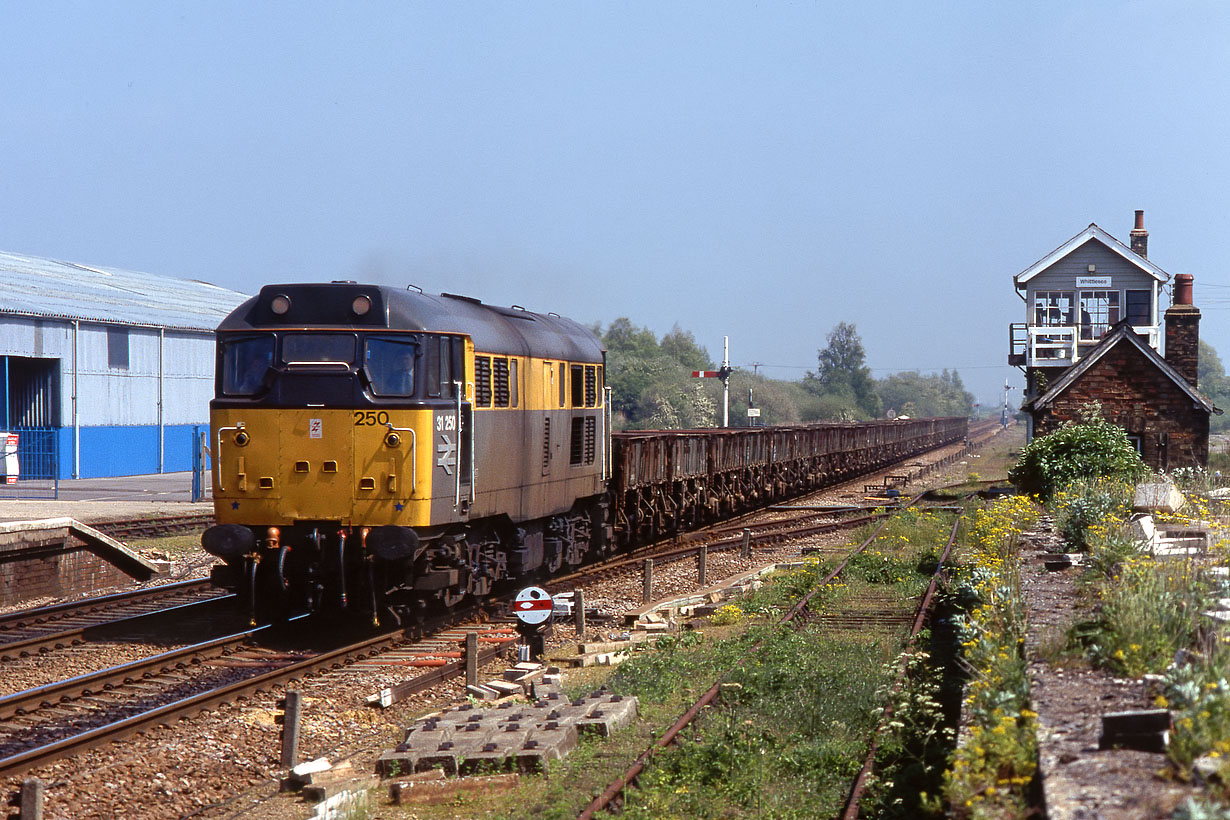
1095 448
1089 507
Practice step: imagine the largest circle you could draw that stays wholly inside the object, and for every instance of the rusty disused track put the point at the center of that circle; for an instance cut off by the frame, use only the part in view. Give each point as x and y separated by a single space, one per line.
850 811
800 614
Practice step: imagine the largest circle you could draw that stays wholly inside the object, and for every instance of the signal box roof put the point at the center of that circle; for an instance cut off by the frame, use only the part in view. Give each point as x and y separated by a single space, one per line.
1096 234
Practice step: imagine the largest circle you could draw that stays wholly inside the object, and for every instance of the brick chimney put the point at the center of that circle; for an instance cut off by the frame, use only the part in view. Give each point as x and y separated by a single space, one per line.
1182 328
1140 237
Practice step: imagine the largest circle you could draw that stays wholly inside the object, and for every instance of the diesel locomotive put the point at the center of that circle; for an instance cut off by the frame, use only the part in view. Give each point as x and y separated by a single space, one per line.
387 451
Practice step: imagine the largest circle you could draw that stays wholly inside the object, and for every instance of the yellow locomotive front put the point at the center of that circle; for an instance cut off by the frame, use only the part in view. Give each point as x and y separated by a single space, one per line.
338 443
385 451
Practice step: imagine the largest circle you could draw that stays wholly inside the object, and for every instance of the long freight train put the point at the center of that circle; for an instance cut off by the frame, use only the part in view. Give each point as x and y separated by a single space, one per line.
387 451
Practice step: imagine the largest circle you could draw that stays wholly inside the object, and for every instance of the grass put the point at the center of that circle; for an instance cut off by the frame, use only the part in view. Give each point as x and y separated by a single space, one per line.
993 767
786 737
172 545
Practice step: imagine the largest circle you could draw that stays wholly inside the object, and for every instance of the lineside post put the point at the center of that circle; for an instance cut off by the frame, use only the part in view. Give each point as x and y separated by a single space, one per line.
702 561
31 799
290 728
747 544
648 596
471 659
578 610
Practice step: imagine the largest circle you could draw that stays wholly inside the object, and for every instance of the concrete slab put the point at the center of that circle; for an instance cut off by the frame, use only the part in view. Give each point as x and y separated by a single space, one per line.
1158 496
609 715
552 742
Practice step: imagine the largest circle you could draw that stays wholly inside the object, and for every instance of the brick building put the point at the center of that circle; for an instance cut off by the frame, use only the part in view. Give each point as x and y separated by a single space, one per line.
1093 334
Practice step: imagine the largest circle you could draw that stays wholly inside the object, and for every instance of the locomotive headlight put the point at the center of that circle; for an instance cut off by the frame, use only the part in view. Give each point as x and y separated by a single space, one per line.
361 305
280 304
242 439
392 439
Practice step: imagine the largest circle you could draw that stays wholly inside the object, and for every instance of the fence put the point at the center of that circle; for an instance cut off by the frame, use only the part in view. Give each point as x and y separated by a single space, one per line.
200 464
29 464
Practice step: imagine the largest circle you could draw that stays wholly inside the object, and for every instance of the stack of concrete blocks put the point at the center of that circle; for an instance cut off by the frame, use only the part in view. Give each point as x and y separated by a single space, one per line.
510 738
336 791
518 681
702 602
1163 497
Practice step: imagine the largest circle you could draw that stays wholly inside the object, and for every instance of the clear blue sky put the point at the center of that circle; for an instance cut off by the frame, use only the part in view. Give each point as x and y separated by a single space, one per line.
762 171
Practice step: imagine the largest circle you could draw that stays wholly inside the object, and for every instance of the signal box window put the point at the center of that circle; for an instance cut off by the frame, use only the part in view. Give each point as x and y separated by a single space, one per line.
390 366
1139 307
1053 308
1099 310
245 365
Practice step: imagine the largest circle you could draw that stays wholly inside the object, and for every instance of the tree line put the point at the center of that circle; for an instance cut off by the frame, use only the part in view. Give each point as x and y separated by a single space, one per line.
652 387
1214 384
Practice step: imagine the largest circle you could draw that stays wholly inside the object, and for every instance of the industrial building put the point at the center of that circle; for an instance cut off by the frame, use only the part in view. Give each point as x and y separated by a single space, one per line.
104 372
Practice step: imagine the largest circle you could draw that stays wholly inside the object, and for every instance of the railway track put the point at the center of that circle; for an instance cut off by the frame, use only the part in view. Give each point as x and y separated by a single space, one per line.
877 617
47 723
127 528
28 631
438 654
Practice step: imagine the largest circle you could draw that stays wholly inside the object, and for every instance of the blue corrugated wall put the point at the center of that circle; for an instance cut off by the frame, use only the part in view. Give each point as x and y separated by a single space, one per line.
120 451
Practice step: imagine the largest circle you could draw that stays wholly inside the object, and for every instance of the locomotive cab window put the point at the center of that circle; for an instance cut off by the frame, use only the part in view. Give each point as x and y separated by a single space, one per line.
245 365
390 365
318 349
440 357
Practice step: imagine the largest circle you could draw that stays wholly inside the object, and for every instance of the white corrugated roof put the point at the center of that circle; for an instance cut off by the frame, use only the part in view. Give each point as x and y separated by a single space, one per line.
32 286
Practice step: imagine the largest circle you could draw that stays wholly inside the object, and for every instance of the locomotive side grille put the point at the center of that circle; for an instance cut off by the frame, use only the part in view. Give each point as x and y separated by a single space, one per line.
500 382
590 438
546 445
482 381
576 445
591 386
583 446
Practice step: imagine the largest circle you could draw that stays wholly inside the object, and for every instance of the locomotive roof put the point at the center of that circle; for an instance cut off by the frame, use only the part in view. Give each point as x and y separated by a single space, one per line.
510 331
